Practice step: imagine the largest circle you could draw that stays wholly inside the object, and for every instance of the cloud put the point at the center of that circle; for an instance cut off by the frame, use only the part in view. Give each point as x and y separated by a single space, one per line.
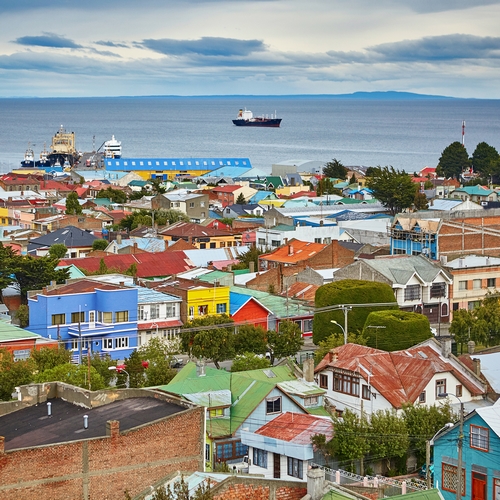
112 44
205 46
48 40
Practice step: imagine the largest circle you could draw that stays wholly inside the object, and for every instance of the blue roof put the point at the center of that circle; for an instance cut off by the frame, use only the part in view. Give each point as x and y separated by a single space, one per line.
186 164
228 170
237 301
261 195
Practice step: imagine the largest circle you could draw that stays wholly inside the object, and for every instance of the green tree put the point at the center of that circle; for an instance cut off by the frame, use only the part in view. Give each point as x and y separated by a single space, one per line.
58 250
250 338
285 342
394 189
353 179
453 161
335 170
23 315
73 206
74 375
209 337
461 326
249 361
388 436
325 186
157 186
100 244
171 216
349 442
103 268
486 327
101 365
241 199
8 263
420 202
251 256
13 374
47 358
158 353
35 273
485 160
136 371
114 195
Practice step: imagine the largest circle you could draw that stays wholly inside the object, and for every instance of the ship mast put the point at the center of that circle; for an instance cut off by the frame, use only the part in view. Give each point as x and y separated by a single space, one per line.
463 133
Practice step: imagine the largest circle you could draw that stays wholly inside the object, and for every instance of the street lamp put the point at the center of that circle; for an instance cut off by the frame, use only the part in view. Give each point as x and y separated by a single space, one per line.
344 331
429 443
460 442
119 370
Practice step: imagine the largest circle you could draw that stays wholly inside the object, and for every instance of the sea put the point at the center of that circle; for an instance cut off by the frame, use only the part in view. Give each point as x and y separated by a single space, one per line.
406 133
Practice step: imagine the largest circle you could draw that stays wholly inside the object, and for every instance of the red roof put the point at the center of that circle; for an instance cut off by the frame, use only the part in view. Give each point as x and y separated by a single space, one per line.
190 229
148 265
149 325
297 428
81 286
399 376
51 184
295 251
229 188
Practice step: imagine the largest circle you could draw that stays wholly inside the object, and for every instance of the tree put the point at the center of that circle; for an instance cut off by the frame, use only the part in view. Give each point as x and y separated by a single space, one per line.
285 342
135 369
158 353
241 199
205 339
47 358
13 374
23 315
250 338
74 375
453 161
485 160
8 262
486 327
249 361
35 273
461 326
114 195
335 170
325 186
73 206
58 250
171 216
420 202
394 189
251 256
101 365
100 244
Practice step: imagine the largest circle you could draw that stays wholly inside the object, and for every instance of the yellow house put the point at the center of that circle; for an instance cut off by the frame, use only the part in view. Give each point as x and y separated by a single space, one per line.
4 217
206 300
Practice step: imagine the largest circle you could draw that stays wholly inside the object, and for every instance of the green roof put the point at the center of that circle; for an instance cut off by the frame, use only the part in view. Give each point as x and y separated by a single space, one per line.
337 494
10 332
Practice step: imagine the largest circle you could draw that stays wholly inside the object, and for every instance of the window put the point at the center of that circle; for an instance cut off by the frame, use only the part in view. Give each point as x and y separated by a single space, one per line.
170 310
275 243
348 384
365 392
260 458
202 310
121 342
323 381
311 401
458 391
141 314
295 467
207 452
213 245
491 282
241 449
473 304
191 311
121 316
107 343
106 317
58 319
449 482
412 292
476 284
230 450
496 488
154 311
191 204
438 290
262 241
479 438
216 412
221 308
78 317
462 285
308 325
273 405
440 387
421 398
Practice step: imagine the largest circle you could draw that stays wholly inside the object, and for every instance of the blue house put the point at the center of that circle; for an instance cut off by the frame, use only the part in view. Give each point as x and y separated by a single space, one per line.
86 315
480 456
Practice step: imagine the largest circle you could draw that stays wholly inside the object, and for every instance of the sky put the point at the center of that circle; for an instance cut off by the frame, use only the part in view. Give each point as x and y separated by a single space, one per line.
71 48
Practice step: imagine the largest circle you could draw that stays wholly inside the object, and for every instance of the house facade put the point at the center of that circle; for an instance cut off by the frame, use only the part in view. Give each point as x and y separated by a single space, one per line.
87 316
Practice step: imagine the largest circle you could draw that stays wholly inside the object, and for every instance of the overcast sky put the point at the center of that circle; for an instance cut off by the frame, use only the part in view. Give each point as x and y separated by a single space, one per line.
260 47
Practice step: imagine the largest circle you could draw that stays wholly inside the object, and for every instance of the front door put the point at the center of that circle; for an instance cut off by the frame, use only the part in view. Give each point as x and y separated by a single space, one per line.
478 486
91 319
276 466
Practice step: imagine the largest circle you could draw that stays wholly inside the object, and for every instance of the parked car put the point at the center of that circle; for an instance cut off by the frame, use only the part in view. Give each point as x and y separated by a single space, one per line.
176 362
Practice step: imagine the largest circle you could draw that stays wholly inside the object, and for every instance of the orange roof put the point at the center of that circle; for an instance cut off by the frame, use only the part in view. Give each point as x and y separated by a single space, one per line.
295 251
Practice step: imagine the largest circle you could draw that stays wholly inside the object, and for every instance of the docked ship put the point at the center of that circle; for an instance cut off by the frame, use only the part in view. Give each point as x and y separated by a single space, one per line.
29 158
44 159
246 119
112 148
63 148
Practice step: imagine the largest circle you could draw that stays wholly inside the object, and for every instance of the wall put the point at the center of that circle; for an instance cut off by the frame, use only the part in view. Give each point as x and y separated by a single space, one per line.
105 467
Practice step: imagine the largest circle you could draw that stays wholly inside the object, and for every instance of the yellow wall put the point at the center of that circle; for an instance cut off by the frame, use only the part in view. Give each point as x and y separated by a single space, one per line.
204 300
4 216
171 174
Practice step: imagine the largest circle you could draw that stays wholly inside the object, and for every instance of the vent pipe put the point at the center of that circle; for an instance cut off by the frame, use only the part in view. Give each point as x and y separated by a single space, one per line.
49 409
85 421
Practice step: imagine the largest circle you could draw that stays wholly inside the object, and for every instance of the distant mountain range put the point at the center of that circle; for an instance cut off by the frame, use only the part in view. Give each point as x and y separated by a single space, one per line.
389 95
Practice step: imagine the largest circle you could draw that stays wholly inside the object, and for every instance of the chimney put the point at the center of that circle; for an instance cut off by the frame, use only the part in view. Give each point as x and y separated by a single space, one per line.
113 429
315 483
290 249
119 239
308 369
446 348
251 266
476 365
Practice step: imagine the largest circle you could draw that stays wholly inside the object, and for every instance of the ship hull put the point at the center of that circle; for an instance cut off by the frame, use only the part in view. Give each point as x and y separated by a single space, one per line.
264 122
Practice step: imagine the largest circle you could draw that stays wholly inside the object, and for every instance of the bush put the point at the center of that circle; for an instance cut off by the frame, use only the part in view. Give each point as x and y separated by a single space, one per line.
401 330
348 292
